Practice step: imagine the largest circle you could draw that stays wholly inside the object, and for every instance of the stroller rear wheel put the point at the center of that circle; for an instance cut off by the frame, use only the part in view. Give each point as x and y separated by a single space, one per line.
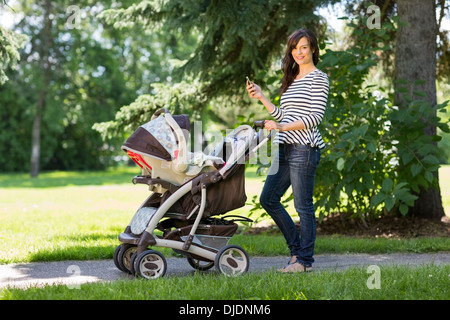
116 258
124 257
150 264
232 260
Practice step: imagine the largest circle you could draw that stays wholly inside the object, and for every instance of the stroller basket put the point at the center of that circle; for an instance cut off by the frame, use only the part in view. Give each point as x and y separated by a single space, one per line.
212 234
206 235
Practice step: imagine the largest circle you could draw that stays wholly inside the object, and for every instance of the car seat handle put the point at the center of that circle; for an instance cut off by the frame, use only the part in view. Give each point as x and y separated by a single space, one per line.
157 113
181 163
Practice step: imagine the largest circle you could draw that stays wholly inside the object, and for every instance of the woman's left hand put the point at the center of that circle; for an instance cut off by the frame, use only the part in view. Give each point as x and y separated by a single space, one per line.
273 125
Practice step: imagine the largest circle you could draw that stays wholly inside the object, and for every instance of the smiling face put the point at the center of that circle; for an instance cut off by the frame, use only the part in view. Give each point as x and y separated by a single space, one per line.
302 53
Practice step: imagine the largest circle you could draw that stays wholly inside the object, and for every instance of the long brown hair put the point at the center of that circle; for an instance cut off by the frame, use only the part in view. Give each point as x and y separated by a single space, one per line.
290 67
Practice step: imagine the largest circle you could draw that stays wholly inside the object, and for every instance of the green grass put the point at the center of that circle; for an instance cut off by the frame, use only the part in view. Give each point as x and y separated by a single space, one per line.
65 215
396 283
78 215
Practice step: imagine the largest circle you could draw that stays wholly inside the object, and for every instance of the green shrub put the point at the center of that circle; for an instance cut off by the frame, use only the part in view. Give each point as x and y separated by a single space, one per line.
377 155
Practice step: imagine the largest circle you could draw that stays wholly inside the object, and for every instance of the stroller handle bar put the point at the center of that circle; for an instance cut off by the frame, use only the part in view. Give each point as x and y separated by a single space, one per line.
259 124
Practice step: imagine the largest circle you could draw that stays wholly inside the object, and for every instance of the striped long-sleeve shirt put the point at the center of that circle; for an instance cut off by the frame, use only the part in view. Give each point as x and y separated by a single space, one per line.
305 100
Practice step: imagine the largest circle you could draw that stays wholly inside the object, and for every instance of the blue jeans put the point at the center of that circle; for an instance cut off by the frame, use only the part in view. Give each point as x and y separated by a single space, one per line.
294 166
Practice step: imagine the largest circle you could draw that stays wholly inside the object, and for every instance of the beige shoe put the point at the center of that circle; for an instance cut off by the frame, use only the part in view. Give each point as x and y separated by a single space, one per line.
295 267
293 260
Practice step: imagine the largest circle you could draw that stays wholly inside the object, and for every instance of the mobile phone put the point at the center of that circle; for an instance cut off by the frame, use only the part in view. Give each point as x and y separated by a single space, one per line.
249 81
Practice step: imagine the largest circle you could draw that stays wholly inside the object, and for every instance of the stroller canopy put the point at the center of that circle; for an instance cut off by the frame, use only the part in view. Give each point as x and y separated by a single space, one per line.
156 138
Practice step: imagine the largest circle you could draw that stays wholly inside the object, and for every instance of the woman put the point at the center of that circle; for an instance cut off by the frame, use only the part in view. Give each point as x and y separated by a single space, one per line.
304 93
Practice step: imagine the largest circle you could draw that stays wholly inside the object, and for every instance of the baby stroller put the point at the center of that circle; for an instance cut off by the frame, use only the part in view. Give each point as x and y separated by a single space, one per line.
188 190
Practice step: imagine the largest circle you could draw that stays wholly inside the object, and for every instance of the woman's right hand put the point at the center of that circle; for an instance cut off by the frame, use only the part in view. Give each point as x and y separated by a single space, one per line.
254 91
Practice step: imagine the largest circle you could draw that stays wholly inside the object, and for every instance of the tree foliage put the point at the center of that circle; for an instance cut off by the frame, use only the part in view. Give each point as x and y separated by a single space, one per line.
179 98
378 154
94 70
235 38
10 44
72 78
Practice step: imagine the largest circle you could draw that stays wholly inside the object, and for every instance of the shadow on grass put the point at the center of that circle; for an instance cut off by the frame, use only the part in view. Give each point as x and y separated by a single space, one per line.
87 246
74 253
89 237
122 175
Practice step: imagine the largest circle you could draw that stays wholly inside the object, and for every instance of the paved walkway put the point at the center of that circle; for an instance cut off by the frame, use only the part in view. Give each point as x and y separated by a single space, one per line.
73 273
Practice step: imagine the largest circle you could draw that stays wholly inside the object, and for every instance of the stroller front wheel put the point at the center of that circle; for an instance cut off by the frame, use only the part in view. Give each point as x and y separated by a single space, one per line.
232 260
150 264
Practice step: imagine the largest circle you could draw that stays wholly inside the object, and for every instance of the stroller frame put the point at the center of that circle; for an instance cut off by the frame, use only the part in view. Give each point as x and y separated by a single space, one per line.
134 255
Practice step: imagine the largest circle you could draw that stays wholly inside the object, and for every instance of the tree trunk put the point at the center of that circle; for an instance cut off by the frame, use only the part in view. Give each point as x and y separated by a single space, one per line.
415 59
44 52
36 135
